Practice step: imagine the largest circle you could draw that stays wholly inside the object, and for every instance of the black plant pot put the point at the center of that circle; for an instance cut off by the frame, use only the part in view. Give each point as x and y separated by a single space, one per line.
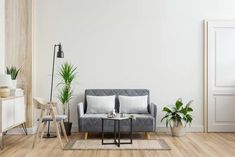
68 127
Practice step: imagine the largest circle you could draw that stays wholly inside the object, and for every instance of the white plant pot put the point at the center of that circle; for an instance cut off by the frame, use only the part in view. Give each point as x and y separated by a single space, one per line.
178 130
14 84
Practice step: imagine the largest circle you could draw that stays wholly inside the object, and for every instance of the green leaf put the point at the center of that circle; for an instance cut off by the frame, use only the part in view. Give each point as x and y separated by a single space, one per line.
66 75
167 109
13 71
167 123
178 104
166 116
190 109
189 103
178 114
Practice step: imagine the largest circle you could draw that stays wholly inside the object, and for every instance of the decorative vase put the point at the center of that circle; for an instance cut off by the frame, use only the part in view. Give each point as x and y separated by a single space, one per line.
178 130
14 84
4 92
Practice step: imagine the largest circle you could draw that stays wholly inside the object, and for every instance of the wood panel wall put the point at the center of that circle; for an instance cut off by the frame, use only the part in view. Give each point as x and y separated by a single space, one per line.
19 46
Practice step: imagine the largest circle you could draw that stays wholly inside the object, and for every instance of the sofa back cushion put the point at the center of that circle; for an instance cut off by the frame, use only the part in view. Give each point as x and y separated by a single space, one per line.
116 92
100 104
133 104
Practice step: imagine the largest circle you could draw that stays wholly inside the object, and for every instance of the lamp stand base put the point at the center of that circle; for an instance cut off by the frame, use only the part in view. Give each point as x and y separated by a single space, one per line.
49 135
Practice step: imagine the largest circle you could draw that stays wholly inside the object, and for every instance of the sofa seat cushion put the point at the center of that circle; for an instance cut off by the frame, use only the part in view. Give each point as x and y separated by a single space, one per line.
92 123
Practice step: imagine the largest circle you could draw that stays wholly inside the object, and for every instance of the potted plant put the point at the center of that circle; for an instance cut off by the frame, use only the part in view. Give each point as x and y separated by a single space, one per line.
178 116
13 72
67 74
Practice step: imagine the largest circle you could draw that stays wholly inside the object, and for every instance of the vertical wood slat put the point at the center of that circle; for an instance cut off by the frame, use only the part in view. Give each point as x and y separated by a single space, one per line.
19 48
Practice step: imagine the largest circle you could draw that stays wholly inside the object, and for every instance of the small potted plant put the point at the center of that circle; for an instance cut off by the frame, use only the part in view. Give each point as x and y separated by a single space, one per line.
67 74
13 72
177 117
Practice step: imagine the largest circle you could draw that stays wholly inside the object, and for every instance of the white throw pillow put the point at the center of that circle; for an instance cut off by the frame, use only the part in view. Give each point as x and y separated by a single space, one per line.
100 104
133 104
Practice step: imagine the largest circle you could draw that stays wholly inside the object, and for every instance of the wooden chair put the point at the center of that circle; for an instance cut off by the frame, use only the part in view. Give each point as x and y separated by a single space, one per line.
48 113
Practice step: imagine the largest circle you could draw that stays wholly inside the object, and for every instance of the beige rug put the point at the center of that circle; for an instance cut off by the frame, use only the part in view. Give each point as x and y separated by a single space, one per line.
139 144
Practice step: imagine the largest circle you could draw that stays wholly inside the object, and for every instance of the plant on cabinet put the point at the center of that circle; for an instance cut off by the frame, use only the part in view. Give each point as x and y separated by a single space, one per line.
178 116
13 72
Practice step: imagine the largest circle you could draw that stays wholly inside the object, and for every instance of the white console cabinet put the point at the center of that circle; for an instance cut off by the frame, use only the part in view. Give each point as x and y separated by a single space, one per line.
12 114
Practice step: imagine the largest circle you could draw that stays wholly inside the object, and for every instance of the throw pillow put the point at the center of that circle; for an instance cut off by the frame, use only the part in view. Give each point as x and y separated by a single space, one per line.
133 104
100 104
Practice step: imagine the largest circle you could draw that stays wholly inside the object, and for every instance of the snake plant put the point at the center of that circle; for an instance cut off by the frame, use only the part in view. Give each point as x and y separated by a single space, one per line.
12 71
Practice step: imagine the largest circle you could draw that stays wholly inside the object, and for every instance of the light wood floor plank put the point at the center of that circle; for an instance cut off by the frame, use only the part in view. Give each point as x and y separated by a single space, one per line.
192 145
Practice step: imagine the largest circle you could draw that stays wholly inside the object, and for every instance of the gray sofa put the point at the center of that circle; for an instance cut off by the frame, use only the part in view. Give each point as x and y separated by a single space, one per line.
92 122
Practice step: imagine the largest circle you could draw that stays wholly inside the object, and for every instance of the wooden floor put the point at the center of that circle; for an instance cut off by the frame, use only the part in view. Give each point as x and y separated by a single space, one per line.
193 144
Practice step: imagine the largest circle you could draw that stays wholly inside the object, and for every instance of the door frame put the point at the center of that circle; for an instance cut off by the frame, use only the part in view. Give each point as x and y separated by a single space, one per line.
205 76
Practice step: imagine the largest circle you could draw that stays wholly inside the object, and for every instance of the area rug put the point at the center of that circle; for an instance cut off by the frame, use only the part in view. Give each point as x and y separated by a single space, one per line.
154 144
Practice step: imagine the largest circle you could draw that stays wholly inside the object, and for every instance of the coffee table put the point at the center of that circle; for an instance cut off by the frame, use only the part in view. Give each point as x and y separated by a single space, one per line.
117 119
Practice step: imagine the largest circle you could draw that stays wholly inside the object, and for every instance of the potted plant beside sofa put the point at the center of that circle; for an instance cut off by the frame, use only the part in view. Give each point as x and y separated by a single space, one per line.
67 74
177 117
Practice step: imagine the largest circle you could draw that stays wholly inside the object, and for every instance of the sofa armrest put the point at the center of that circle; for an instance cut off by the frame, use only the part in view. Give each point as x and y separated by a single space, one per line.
153 112
80 110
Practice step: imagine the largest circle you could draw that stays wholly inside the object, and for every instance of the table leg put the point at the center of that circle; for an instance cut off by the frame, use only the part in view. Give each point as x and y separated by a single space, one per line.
119 133
102 131
131 132
115 136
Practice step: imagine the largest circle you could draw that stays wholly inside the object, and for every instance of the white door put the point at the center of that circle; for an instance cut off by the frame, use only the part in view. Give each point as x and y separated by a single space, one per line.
221 76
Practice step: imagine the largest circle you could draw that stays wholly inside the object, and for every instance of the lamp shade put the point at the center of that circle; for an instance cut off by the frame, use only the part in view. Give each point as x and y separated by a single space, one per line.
5 81
60 53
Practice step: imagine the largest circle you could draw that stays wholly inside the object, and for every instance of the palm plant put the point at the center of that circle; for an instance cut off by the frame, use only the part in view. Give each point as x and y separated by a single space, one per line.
67 74
178 114
13 71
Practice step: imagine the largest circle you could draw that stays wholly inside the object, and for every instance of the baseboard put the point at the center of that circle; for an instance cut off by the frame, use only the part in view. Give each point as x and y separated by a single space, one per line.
74 128
194 128
161 128
18 131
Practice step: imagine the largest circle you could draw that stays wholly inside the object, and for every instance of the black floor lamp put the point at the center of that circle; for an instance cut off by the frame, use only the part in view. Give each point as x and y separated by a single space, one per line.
60 54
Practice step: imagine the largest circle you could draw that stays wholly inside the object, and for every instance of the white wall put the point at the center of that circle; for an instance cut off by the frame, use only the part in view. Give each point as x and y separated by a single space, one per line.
2 35
154 44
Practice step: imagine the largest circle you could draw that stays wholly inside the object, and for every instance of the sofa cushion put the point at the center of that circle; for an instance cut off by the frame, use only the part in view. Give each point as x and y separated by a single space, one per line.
133 104
92 123
100 104
107 92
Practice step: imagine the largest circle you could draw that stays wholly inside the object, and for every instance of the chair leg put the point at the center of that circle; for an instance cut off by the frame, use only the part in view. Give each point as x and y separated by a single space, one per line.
24 128
85 135
43 129
38 128
63 129
147 135
57 129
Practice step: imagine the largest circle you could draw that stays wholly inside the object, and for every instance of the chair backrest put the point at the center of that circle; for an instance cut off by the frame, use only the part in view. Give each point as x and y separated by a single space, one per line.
116 92
41 103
